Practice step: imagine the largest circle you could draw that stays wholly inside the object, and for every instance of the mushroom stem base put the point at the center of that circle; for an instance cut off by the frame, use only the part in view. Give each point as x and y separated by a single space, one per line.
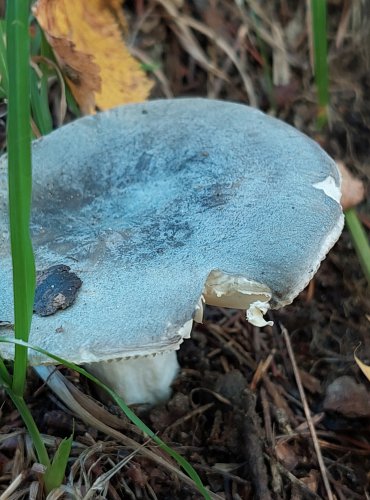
144 379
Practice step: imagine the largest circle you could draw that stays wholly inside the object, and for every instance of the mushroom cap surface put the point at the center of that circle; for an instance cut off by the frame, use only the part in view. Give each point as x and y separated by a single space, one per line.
143 201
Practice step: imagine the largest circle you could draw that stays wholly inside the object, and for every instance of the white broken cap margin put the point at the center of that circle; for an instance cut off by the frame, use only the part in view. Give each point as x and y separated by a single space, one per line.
234 291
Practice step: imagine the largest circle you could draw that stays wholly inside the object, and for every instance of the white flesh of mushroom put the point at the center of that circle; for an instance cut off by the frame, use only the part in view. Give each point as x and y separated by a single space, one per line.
230 290
146 379
143 379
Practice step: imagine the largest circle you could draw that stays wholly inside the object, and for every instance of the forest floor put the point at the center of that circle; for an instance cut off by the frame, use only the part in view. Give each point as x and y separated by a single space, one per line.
236 412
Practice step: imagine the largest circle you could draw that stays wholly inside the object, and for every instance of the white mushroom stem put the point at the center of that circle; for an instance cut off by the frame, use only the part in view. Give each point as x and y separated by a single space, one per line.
143 379
235 291
146 379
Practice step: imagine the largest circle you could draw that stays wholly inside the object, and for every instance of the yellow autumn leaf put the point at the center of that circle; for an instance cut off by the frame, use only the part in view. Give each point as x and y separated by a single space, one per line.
87 39
364 368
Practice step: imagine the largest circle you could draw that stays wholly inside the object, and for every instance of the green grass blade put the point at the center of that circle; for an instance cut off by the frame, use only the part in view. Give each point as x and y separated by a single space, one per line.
55 473
6 382
40 90
27 418
5 378
40 102
128 412
320 50
360 241
3 63
45 49
71 102
20 179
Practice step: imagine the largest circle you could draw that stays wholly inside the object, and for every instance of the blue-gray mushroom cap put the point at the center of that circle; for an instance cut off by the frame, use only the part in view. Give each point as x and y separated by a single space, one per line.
147 201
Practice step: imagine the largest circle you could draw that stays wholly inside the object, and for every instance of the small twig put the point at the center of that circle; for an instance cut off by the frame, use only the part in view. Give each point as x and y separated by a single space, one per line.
266 416
215 469
104 478
262 368
307 412
253 447
294 480
188 416
13 486
285 415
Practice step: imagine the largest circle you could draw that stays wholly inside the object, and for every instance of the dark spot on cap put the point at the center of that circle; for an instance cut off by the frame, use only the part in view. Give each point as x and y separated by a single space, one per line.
56 288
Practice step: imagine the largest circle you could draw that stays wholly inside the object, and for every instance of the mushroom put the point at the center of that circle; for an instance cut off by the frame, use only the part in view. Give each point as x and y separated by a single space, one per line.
160 208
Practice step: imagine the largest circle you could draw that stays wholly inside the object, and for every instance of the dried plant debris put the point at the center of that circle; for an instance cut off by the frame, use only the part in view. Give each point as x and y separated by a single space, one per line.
6 325
56 288
353 189
227 361
347 397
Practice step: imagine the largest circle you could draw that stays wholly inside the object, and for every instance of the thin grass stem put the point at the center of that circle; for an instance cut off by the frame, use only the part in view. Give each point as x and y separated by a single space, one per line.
320 52
5 378
20 179
3 63
6 382
360 241
27 418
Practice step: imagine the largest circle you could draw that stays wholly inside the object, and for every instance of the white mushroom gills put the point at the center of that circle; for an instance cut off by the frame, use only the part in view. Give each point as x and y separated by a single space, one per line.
230 290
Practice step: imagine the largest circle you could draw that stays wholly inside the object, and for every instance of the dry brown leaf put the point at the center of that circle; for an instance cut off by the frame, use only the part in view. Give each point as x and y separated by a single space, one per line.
312 480
86 36
353 191
286 454
364 368
348 397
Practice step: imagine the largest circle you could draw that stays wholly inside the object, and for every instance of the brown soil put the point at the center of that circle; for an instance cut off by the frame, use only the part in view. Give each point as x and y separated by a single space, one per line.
236 413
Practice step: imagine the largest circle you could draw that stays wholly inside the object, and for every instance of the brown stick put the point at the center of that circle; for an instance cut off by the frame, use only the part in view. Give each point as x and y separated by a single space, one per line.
307 412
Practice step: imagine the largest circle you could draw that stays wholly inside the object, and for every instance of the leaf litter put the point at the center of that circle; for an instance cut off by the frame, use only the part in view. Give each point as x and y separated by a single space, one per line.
87 39
237 384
